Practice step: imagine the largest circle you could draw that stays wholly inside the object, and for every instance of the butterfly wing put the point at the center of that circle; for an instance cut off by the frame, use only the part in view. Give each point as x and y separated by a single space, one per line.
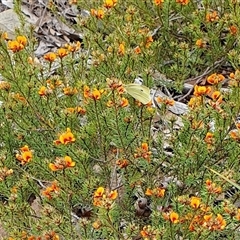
139 92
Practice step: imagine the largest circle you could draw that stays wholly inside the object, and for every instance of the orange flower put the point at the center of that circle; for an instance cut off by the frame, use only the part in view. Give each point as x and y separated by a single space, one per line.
148 232
197 124
216 95
215 78
158 2
149 192
99 13
110 103
44 91
145 146
209 138
195 202
235 134
4 173
102 198
70 91
80 110
200 43
212 188
15 46
22 40
122 163
51 57
113 195
62 163
121 49
143 152
220 222
86 91
97 224
183 2
4 85
25 155
237 216
166 101
62 52
70 110
149 41
137 50
157 192
195 102
212 17
233 30
174 217
124 102
65 138
49 191
73 47
51 236
201 90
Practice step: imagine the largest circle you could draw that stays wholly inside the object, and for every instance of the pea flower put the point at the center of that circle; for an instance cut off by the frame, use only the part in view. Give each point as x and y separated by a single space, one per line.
65 138
62 163
25 155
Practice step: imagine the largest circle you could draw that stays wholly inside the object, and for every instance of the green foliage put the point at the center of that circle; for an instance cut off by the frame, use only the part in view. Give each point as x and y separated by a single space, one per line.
79 157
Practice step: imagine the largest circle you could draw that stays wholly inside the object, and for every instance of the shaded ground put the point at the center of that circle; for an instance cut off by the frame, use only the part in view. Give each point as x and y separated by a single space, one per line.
3 7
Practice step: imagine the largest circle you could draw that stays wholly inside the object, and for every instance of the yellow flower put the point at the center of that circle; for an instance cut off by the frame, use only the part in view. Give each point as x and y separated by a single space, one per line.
99 192
62 52
44 91
201 90
174 217
22 40
96 94
195 202
109 3
97 224
194 102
